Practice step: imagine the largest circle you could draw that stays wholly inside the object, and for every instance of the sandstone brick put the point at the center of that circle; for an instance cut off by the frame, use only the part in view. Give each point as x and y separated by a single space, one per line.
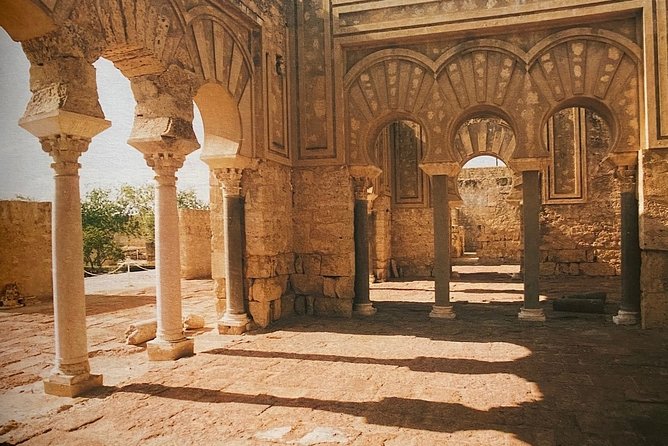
567 255
326 306
654 309
264 290
306 284
276 309
310 305
329 286
338 264
345 287
261 312
288 305
260 267
311 263
300 304
285 263
597 269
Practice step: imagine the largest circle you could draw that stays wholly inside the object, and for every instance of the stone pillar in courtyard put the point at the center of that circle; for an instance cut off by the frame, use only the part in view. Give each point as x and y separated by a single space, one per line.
440 175
235 319
65 132
531 201
362 177
629 307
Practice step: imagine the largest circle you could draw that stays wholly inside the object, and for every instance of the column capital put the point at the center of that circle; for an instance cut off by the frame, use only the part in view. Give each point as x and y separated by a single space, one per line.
627 177
361 187
165 165
230 180
65 151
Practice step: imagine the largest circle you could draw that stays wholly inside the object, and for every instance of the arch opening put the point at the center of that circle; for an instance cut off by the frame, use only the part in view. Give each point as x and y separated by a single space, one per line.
221 122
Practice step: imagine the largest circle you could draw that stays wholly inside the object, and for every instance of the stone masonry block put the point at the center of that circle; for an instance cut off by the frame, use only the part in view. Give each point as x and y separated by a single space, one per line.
345 287
288 305
326 306
265 290
258 267
329 287
300 305
597 269
261 312
306 284
285 264
312 263
338 265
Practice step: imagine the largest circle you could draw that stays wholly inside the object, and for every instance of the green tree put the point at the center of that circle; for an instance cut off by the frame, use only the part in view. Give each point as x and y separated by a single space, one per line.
102 218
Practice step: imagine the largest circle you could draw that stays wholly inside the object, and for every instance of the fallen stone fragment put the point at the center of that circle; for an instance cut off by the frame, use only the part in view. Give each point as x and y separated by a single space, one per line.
141 332
193 322
323 435
579 305
600 295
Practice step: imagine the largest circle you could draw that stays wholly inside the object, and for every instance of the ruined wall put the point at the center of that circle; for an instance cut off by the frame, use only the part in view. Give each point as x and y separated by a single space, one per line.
195 243
492 224
653 195
25 247
269 256
413 241
323 280
584 238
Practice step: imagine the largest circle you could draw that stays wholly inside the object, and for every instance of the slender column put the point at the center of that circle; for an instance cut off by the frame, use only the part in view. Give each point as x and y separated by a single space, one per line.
235 319
71 373
443 308
530 219
362 303
629 308
170 342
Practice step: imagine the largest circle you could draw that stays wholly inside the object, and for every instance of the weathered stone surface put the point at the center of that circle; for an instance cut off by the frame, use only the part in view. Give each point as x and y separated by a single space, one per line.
140 332
654 287
261 312
195 243
597 269
25 246
300 304
325 306
306 284
329 287
261 266
345 287
338 264
264 290
193 322
288 305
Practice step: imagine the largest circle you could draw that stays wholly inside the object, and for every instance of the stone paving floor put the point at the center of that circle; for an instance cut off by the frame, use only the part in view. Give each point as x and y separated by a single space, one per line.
398 378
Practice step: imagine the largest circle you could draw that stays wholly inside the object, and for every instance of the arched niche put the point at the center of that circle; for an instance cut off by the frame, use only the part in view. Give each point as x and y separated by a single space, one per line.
223 131
483 134
577 138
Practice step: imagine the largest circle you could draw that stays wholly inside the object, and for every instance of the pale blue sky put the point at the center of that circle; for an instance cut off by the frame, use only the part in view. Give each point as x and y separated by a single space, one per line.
109 162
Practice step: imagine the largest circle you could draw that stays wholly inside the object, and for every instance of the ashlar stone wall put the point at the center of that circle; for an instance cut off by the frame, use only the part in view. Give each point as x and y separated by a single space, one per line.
324 269
492 223
195 243
25 247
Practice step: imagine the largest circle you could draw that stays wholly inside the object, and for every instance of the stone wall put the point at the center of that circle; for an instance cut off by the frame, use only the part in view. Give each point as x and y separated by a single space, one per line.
492 224
25 247
654 237
195 243
323 280
269 256
413 241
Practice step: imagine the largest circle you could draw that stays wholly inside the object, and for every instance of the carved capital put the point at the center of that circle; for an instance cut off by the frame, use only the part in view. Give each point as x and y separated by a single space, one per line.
65 151
627 178
230 180
165 165
361 187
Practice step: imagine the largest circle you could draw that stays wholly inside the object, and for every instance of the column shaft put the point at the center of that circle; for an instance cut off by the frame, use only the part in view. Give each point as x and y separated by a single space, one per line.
233 211
167 263
361 253
69 302
442 306
531 226
629 308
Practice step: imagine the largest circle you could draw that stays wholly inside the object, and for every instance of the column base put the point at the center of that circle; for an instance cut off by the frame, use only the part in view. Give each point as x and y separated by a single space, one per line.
364 309
159 350
71 385
232 323
441 312
626 318
531 314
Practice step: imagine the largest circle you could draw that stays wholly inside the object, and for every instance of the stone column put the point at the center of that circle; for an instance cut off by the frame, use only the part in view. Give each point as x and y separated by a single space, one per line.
443 308
71 373
629 308
362 304
170 342
235 318
531 311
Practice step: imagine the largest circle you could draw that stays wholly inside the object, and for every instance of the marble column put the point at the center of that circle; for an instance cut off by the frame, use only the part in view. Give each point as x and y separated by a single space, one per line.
71 373
442 308
531 311
629 308
235 319
170 342
362 304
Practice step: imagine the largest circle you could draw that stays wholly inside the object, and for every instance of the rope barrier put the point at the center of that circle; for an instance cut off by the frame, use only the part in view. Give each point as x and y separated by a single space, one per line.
127 262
